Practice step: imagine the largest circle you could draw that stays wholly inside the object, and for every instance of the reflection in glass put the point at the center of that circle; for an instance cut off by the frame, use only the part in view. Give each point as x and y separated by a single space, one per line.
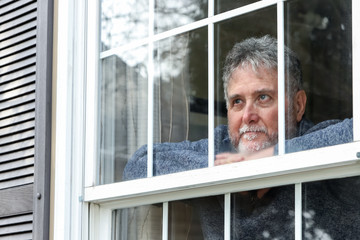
331 209
268 216
180 101
140 223
196 219
122 22
173 13
123 111
183 221
322 38
223 6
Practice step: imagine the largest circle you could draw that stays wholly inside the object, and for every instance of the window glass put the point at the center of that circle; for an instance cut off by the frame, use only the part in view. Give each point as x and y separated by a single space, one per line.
331 209
228 33
198 218
180 89
173 13
123 22
184 221
223 6
143 222
123 111
263 214
320 37
320 34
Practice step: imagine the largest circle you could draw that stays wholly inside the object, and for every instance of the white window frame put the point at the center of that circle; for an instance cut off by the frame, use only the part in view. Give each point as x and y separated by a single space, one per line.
75 150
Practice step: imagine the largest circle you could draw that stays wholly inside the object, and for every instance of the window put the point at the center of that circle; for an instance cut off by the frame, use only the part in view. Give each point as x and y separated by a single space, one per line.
160 70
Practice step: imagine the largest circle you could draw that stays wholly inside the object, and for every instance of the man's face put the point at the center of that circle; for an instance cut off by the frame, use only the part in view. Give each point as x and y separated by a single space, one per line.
253 109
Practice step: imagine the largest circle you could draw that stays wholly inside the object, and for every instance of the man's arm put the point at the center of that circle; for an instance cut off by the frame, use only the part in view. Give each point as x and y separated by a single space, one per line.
175 157
338 133
167 158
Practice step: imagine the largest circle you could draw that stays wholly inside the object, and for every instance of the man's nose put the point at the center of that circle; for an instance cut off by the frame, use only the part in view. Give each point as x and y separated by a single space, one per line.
250 114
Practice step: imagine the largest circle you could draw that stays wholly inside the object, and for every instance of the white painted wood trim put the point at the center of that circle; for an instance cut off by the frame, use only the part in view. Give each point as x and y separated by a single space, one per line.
312 165
356 69
281 77
298 211
227 216
150 113
92 73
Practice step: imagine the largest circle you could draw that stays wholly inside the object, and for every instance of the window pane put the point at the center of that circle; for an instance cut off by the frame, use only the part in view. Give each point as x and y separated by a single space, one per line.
331 209
123 21
320 33
321 37
198 218
255 24
173 13
263 214
123 111
140 223
223 6
184 221
180 89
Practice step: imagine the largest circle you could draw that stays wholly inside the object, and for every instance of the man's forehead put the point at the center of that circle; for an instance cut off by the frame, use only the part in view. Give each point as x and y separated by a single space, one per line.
260 74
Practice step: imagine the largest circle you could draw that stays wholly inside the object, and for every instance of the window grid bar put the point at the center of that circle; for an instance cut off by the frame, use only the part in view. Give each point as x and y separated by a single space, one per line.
298 211
92 73
356 72
189 27
281 77
150 128
227 216
165 221
211 90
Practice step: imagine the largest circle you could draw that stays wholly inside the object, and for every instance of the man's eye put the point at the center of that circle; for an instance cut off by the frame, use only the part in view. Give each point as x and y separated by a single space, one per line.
264 97
237 101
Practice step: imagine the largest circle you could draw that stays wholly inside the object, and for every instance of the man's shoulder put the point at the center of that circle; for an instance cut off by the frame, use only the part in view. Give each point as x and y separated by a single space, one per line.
322 125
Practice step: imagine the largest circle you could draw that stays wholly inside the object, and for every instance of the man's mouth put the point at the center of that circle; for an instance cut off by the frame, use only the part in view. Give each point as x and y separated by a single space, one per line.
249 133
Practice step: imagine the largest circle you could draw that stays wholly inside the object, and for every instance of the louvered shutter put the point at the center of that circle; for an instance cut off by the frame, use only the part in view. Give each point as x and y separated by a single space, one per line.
18 76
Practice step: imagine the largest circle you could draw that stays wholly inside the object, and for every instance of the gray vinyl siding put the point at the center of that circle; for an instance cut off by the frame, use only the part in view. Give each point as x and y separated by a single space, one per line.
19 88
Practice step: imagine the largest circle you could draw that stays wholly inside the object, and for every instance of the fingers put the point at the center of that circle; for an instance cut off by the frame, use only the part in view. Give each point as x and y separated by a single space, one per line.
226 158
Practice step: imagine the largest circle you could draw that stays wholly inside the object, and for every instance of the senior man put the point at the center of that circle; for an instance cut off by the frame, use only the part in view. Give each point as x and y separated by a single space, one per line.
250 85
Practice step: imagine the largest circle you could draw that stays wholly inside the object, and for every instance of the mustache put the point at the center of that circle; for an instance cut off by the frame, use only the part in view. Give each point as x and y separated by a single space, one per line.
252 128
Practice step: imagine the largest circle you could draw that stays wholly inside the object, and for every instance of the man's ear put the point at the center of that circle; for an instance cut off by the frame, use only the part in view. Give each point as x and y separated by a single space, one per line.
300 104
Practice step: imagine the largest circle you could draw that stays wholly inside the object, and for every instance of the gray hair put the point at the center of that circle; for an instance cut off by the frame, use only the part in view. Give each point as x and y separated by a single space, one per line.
262 52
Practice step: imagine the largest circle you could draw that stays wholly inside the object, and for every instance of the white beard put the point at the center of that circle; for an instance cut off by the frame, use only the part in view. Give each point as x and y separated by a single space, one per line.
251 146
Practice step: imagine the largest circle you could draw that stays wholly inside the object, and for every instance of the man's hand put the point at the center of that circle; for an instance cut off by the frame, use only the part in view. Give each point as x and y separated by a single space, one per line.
226 158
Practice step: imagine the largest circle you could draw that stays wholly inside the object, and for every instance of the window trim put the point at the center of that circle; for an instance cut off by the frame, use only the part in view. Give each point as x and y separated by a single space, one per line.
311 165
356 72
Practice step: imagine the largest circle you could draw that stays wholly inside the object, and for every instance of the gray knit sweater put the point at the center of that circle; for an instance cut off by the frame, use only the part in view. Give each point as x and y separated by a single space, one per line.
331 209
